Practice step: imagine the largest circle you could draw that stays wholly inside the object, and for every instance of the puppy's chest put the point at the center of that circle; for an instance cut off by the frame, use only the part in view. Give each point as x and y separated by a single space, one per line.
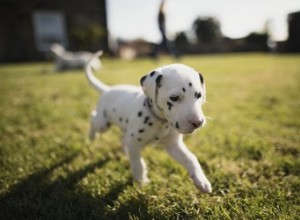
145 127
140 124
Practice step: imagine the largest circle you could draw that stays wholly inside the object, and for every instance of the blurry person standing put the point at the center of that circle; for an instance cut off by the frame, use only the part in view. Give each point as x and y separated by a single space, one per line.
165 44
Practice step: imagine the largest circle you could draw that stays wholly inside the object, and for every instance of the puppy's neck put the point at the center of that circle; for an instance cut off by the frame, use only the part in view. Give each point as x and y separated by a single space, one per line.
157 113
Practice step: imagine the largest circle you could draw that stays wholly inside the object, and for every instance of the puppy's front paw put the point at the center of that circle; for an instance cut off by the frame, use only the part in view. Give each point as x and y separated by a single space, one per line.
202 183
144 181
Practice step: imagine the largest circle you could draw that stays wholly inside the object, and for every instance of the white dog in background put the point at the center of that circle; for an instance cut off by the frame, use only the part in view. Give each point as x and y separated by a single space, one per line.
72 60
166 106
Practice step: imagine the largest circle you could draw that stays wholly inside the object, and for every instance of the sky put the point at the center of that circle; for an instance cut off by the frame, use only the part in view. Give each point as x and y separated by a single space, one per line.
133 19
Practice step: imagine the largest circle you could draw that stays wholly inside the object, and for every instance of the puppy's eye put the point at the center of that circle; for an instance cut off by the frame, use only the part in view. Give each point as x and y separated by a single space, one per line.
174 98
198 95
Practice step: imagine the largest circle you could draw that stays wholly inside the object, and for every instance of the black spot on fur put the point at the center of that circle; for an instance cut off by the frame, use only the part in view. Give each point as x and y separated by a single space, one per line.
143 79
198 95
190 84
141 130
150 124
104 114
108 124
156 138
132 135
120 119
152 73
158 79
139 139
183 89
126 121
140 113
146 119
177 125
170 105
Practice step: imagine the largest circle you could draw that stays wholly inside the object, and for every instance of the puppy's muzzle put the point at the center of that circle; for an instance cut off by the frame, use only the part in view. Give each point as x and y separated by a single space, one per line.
197 123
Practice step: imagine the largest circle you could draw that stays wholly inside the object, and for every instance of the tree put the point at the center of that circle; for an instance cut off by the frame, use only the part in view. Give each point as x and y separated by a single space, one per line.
182 42
207 30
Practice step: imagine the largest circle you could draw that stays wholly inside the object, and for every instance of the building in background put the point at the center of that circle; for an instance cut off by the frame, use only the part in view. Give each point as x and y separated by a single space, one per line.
28 28
293 41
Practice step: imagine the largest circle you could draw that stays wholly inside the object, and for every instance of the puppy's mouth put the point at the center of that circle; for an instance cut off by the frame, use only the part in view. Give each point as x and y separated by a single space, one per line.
187 131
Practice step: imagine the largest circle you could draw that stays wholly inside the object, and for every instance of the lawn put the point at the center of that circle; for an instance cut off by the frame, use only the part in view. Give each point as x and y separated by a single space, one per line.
250 148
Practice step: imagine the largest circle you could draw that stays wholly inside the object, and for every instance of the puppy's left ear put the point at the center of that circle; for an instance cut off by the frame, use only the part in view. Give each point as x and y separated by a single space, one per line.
203 87
149 83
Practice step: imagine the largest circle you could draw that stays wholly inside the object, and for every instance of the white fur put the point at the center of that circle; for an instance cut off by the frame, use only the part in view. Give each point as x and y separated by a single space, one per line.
166 107
72 60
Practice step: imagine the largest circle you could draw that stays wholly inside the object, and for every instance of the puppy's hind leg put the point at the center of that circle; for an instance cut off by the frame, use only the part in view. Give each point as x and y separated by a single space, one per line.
99 124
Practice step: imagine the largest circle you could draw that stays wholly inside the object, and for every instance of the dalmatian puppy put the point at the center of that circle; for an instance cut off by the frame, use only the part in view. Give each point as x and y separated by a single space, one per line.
64 60
167 106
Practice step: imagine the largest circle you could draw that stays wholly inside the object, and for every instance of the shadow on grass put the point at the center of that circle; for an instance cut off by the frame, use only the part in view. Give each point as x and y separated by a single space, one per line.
37 197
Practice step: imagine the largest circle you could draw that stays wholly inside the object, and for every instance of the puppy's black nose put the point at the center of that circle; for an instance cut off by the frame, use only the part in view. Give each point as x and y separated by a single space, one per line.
197 123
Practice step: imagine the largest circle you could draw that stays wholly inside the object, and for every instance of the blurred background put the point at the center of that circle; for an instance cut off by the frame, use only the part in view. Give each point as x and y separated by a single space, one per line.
129 29
249 149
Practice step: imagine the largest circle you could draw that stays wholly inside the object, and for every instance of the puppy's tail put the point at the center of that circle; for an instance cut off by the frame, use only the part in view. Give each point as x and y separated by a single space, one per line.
96 83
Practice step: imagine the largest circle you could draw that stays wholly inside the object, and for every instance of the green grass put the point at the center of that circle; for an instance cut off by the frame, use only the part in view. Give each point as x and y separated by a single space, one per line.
249 149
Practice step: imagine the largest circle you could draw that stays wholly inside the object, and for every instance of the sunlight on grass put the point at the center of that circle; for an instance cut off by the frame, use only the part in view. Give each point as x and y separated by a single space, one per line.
249 148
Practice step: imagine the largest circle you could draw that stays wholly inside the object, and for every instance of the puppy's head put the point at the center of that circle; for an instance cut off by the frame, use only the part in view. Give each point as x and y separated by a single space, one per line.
178 91
57 49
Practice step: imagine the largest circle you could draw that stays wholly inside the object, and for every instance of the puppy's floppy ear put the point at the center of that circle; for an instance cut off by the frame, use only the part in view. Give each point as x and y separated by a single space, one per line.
149 83
203 87
201 78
